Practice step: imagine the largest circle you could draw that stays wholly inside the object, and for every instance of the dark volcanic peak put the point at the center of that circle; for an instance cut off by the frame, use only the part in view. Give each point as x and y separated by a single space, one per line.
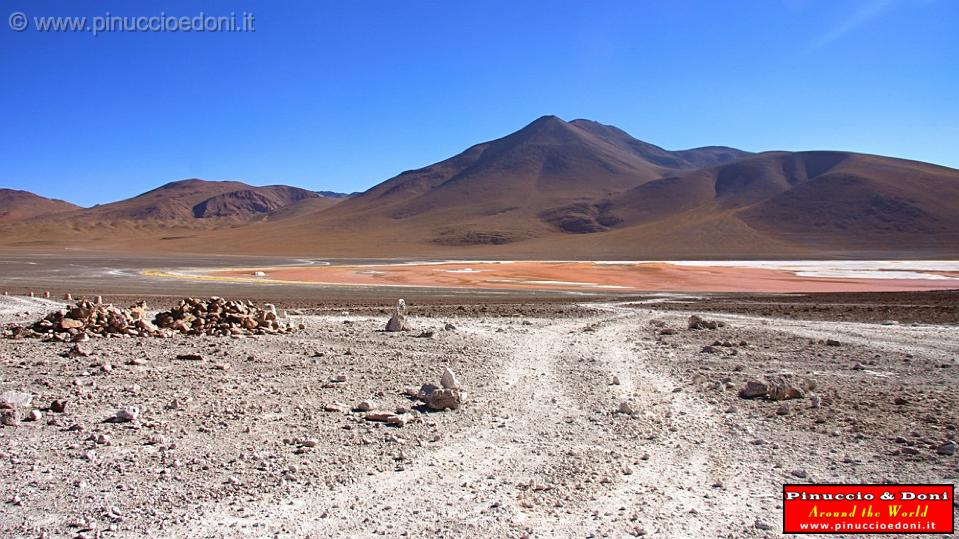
546 162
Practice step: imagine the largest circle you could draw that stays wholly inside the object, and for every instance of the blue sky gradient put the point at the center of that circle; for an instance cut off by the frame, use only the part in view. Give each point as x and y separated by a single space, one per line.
343 95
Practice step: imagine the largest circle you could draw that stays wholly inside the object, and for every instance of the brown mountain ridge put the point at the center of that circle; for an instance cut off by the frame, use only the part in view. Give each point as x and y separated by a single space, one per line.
16 205
563 190
176 210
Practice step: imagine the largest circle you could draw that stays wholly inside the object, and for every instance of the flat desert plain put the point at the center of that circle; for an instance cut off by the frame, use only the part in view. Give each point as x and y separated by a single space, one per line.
590 412
684 276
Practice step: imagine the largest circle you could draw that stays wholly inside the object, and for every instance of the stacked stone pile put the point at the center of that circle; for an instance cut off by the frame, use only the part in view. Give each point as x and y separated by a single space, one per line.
218 316
190 316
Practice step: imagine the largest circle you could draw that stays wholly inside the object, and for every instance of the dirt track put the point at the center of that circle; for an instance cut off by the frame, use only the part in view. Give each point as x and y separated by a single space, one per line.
538 451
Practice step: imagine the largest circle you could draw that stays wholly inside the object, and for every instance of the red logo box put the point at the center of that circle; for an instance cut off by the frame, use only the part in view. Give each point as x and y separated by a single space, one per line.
872 509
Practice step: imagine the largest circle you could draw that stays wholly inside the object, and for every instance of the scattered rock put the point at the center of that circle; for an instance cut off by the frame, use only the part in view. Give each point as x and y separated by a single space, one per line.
832 342
448 395
157 439
445 399
126 414
396 420
753 389
948 448
778 387
76 351
10 417
389 418
697 322
760 525
190 357
626 407
815 401
15 400
365 406
425 390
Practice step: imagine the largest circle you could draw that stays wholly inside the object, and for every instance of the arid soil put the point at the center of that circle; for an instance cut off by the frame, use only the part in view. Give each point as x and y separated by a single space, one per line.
239 443
929 307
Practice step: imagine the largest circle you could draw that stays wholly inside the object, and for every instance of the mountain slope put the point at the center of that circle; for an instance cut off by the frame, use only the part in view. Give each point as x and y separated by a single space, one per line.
581 189
495 192
173 201
781 204
555 190
16 205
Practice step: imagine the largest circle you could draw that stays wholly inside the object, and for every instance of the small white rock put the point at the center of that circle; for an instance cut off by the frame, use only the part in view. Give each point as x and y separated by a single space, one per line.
127 413
448 380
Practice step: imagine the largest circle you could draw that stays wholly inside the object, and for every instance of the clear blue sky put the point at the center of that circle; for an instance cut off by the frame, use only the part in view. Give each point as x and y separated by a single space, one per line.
342 95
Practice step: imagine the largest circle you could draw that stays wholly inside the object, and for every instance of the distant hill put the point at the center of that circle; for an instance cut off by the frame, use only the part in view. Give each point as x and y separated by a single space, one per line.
176 210
17 205
334 194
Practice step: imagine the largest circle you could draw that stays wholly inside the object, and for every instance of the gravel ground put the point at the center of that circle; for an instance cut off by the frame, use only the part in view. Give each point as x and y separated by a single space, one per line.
932 307
239 444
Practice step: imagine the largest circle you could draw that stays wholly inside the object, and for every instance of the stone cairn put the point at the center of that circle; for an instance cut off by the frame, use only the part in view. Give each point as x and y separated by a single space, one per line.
190 316
398 321
221 317
448 395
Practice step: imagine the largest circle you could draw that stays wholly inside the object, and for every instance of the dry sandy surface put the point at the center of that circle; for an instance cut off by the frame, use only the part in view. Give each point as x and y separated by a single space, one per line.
539 450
